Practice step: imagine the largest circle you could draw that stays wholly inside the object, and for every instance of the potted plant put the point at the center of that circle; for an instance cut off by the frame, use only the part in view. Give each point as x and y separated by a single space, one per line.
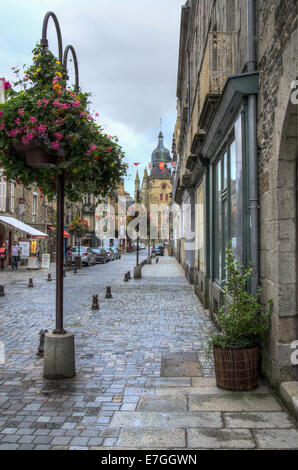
47 128
244 324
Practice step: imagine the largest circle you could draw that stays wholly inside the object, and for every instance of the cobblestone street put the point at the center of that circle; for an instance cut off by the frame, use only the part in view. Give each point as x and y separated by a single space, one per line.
120 397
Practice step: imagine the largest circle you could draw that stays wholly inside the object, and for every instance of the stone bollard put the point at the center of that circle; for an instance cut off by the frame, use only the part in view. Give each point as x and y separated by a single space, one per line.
95 305
2 293
49 277
40 349
149 260
30 282
59 356
137 272
125 277
108 292
128 275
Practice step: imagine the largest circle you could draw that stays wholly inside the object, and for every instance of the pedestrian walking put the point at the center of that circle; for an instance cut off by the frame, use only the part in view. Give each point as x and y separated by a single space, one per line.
15 251
3 253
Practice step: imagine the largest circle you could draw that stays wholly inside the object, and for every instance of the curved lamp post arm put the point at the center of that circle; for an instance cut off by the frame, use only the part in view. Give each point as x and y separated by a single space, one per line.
75 61
44 41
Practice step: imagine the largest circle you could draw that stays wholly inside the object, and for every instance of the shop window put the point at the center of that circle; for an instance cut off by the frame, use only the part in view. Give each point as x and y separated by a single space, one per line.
200 229
2 193
34 207
228 216
12 197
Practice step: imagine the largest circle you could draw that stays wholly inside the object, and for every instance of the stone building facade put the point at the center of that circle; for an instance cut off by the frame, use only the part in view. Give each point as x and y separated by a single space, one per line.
236 145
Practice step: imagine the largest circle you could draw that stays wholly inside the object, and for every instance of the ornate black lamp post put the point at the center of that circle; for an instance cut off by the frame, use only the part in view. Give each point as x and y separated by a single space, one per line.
60 176
59 358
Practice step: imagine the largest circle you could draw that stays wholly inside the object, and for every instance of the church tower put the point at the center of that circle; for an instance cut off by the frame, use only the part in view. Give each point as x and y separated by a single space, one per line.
137 187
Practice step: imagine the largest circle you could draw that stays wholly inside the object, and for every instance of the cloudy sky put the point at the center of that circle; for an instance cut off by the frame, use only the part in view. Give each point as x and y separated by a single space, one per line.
128 56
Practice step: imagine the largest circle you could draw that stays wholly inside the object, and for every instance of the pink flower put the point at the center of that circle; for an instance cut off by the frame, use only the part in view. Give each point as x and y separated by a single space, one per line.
42 128
109 149
2 126
17 121
88 153
21 112
56 103
55 145
32 119
1 113
6 85
58 135
76 104
39 103
93 147
96 114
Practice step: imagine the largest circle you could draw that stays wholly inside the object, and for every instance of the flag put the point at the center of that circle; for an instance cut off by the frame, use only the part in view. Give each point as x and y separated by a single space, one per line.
162 166
136 164
149 165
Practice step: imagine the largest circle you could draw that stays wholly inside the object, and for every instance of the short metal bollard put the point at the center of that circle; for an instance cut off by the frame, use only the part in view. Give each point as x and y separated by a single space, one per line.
95 305
40 349
108 292
49 277
128 275
64 273
125 277
2 293
30 282
75 270
157 259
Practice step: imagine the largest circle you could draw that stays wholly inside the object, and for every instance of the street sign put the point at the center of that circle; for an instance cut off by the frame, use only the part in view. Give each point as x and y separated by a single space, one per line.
45 261
33 262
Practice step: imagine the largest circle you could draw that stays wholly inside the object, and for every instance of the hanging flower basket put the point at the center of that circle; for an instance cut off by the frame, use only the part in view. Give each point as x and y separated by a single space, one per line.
36 156
78 227
46 128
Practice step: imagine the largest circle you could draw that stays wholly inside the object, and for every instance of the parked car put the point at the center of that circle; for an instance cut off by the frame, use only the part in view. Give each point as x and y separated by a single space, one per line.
110 253
100 255
117 254
86 254
142 246
159 250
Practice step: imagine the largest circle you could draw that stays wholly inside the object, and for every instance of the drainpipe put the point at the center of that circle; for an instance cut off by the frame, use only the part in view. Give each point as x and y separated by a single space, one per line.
253 148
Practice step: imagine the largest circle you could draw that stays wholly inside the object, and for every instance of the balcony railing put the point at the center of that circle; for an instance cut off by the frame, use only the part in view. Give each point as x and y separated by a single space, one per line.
218 64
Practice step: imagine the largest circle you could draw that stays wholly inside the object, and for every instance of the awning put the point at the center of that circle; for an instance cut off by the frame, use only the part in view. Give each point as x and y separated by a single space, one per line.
17 224
66 234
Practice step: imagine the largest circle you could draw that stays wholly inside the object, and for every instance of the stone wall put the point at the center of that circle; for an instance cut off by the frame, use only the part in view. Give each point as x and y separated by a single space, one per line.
277 138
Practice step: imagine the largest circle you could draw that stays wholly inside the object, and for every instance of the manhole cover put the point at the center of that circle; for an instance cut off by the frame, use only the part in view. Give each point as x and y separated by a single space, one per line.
183 364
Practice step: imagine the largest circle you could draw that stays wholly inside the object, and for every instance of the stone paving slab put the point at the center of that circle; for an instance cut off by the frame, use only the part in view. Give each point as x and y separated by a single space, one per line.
236 401
276 438
141 419
151 438
163 403
202 391
262 419
168 382
220 439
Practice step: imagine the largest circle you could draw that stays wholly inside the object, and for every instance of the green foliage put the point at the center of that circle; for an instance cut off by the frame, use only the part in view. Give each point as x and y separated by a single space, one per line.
58 118
242 320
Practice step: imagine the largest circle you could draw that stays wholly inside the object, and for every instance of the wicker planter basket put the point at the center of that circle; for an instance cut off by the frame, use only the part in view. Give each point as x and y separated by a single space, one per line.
236 368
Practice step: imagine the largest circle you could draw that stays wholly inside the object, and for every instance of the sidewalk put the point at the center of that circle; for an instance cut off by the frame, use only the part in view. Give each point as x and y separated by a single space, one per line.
142 376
